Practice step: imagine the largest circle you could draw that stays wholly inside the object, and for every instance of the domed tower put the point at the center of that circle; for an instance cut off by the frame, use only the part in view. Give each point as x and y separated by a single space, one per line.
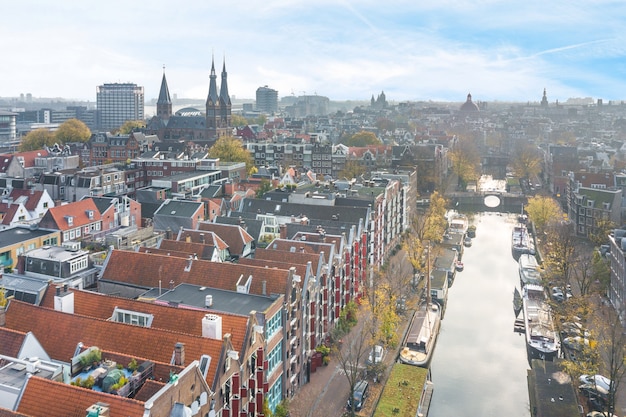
469 106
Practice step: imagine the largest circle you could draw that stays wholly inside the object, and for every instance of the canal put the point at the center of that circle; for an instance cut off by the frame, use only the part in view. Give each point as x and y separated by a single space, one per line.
479 364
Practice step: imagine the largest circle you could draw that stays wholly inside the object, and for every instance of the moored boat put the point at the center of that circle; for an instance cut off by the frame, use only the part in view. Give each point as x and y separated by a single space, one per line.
529 269
422 335
542 339
521 242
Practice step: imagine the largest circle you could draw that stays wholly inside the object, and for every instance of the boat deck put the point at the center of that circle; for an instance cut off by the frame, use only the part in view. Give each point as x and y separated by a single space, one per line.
420 337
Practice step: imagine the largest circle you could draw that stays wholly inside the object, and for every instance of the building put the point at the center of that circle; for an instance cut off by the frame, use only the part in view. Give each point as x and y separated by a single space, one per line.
191 124
17 240
266 100
8 126
76 221
588 207
107 148
177 214
118 103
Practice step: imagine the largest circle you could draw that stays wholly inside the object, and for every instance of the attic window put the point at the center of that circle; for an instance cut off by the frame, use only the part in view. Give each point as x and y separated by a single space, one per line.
70 220
132 317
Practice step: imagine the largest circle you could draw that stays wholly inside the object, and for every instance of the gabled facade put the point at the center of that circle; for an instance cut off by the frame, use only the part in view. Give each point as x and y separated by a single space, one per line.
36 202
75 221
588 207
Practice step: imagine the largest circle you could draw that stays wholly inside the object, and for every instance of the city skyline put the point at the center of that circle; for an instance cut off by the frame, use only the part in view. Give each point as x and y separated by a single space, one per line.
343 50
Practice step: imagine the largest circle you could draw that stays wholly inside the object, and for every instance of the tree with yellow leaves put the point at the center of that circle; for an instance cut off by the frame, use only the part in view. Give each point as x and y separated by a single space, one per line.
229 149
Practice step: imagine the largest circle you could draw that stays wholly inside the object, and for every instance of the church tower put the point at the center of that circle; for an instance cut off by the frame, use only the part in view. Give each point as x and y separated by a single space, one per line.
164 103
544 99
225 104
212 103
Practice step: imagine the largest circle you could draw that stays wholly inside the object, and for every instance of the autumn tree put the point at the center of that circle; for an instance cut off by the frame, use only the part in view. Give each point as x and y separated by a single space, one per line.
130 126
238 120
229 149
562 249
264 187
542 210
72 130
526 160
600 233
361 139
465 161
586 270
436 223
37 139
352 169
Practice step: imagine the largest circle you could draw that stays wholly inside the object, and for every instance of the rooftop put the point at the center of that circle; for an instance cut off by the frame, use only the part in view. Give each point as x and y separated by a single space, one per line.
19 234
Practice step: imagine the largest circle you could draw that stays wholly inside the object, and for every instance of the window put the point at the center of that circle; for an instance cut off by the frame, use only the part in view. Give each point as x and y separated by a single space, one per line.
273 325
132 317
274 359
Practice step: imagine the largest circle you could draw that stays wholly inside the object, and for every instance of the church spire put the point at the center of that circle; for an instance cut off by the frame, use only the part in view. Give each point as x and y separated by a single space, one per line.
544 99
212 101
164 103
224 97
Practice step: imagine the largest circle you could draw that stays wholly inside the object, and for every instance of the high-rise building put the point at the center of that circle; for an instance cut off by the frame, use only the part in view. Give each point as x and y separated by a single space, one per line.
116 103
266 99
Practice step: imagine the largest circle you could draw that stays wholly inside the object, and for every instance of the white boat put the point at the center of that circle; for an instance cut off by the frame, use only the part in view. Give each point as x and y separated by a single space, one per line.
420 340
457 223
542 338
529 269
521 242
422 335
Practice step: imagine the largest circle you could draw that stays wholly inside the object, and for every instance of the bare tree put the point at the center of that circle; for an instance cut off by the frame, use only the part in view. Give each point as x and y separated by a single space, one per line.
612 350
352 352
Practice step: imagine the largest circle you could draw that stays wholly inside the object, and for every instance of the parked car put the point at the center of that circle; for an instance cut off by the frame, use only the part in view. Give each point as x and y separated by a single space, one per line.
467 242
359 397
576 343
559 295
593 391
376 355
600 414
598 380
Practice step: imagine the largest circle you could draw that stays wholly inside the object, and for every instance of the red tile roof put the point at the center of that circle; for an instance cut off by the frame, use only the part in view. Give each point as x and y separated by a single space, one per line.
11 342
148 269
293 246
43 397
59 333
7 212
200 236
78 210
235 236
91 304
148 389
33 197
204 251
297 257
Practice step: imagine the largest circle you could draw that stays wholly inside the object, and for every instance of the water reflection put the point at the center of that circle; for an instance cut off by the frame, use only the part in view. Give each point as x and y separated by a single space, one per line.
479 365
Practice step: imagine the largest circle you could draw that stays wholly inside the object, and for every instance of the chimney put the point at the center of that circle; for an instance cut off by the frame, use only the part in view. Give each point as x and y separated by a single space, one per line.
64 300
202 238
264 287
179 354
283 231
212 326
98 409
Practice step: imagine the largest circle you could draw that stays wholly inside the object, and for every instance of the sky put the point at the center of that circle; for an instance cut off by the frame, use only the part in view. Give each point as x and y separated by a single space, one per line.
416 50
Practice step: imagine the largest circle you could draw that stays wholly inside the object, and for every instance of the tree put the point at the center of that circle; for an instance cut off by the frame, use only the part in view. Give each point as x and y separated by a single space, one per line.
600 233
238 120
352 169
586 270
562 249
361 139
465 160
130 125
542 210
436 223
526 160
37 139
265 186
229 149
72 130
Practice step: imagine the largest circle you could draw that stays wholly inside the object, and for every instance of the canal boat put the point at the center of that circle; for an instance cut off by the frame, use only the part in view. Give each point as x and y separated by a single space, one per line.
457 223
421 337
529 269
521 242
542 339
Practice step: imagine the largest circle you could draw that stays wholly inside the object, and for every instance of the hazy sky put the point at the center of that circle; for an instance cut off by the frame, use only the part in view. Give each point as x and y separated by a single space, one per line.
345 50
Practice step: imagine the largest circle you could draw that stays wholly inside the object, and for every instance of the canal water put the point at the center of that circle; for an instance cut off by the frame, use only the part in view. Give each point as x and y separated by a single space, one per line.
479 365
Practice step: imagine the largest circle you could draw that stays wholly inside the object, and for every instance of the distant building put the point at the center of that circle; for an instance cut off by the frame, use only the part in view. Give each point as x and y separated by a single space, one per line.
266 99
469 106
8 129
117 103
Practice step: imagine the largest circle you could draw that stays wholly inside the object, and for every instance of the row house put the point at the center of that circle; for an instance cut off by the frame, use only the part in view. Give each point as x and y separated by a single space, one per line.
118 212
36 202
298 156
12 213
72 185
240 329
617 286
75 221
151 271
222 250
106 148
588 207
65 335
240 243
15 241
429 160
20 164
155 165
187 184
176 214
